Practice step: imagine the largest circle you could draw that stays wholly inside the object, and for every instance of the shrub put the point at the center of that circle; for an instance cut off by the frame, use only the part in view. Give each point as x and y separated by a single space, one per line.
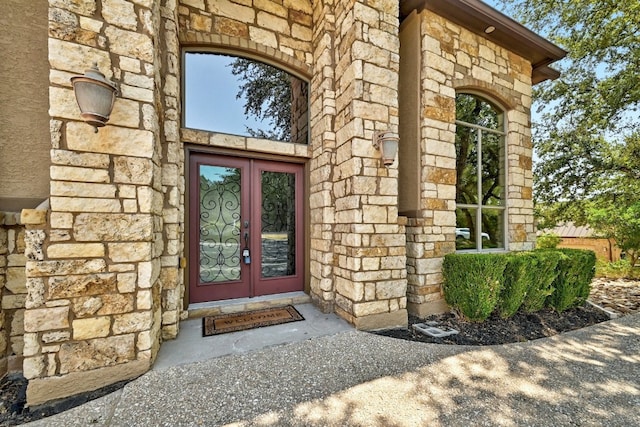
548 241
518 275
573 283
542 276
472 283
614 270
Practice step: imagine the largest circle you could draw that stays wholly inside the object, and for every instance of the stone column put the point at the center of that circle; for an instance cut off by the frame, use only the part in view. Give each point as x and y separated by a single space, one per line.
369 248
173 179
93 315
322 115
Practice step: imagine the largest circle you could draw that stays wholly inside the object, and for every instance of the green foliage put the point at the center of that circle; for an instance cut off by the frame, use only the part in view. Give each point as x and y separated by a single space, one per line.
573 282
472 283
548 241
477 284
617 270
518 274
618 221
587 140
543 273
528 276
267 91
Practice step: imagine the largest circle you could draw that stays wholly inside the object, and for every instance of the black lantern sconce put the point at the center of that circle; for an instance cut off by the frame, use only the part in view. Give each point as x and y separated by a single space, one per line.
95 96
387 143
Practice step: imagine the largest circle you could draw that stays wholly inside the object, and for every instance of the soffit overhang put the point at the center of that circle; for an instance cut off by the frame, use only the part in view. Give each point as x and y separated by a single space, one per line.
477 16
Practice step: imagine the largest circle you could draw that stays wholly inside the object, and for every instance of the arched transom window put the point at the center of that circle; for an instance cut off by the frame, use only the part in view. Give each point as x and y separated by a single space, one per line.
481 175
242 96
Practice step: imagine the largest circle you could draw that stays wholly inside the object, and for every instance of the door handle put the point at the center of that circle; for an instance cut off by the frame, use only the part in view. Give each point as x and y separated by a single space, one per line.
246 255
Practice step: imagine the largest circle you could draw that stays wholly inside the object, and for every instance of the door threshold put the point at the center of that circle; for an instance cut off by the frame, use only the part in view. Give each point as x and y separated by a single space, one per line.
202 309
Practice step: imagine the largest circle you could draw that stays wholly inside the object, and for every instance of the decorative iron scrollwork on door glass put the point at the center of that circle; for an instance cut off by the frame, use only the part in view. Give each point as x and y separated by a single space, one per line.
219 224
278 228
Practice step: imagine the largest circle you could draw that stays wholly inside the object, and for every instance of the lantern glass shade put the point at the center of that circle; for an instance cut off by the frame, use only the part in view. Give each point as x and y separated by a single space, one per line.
387 143
389 150
95 96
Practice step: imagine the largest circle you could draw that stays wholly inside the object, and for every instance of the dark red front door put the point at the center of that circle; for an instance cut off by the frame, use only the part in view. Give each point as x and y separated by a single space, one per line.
245 227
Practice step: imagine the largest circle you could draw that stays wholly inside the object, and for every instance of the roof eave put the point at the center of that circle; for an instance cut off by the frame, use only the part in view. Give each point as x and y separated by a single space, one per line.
477 16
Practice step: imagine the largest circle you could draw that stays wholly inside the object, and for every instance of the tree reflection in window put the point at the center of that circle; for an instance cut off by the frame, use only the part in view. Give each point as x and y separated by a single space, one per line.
480 173
241 96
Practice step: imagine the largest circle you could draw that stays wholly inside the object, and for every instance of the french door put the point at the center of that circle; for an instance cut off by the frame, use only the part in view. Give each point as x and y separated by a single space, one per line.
246 227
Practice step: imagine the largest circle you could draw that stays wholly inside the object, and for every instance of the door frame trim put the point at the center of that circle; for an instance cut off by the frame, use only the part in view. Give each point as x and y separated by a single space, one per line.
189 149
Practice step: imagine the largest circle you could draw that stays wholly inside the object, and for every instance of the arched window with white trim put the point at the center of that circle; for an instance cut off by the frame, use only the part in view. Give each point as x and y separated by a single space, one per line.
481 193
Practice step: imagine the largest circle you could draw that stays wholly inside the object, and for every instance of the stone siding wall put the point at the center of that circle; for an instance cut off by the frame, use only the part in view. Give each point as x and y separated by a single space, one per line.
353 49
276 31
455 59
94 316
103 268
369 249
13 291
322 101
167 79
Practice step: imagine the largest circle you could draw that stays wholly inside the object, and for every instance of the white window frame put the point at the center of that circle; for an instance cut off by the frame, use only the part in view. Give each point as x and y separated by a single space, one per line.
478 206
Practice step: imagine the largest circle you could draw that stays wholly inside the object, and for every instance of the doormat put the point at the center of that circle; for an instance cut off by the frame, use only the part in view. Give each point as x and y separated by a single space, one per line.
233 322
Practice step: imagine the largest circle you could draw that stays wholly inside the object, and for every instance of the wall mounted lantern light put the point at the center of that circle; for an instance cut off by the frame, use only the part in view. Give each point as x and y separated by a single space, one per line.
387 143
95 95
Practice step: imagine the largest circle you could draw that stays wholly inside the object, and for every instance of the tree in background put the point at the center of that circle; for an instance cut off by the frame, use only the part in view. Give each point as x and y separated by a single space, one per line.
267 91
587 140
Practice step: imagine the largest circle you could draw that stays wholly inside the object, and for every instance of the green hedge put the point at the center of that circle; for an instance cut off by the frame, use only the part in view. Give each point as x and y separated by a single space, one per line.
472 283
477 284
541 286
576 269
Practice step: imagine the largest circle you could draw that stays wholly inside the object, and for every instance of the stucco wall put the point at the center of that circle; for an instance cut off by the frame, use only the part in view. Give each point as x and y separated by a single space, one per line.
24 121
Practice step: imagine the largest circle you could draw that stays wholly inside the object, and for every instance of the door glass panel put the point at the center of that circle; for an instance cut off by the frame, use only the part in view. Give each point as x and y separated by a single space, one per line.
219 223
278 224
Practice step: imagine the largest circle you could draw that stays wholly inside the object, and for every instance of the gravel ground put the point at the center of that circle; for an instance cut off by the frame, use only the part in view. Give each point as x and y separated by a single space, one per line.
586 377
619 296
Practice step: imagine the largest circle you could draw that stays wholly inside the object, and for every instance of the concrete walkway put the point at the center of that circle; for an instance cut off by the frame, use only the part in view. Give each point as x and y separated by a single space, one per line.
589 377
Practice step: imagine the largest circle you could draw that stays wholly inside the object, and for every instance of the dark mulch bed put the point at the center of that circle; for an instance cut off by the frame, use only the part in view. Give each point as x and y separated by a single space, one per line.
521 327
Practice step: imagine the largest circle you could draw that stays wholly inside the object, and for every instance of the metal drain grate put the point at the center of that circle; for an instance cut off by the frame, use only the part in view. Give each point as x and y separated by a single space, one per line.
431 329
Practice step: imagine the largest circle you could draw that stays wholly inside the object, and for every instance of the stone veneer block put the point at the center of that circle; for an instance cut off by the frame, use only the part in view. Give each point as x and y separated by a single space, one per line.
76 250
95 327
46 319
70 286
64 267
113 227
130 251
428 308
96 353
41 390
395 319
33 216
73 57
110 140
